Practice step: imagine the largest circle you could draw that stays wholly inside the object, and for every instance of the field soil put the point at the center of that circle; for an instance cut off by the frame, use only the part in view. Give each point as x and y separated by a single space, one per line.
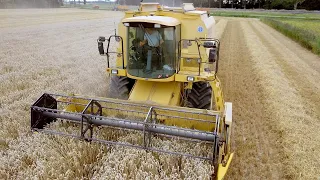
274 85
271 80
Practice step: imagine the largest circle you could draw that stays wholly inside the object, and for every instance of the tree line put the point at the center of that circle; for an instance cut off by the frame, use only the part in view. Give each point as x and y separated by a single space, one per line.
239 4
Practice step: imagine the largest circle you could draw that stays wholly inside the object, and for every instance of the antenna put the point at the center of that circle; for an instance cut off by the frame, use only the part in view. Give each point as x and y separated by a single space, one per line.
140 8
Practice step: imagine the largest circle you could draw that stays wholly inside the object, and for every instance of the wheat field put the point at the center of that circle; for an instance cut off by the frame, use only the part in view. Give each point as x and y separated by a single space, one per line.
272 81
55 50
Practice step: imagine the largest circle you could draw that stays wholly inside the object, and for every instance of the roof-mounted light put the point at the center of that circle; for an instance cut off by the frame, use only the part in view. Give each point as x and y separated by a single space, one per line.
157 25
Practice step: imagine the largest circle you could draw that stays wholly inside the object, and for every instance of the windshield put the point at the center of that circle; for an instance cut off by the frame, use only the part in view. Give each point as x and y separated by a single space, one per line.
151 52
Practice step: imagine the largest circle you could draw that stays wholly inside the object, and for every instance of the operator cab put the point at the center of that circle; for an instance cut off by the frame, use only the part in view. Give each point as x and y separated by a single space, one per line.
152 46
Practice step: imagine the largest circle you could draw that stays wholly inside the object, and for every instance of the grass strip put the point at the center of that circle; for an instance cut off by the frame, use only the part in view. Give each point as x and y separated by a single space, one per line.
265 15
306 38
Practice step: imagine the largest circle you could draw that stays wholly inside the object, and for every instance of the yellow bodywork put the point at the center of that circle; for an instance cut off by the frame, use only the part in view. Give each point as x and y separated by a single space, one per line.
163 93
166 93
223 168
190 21
156 104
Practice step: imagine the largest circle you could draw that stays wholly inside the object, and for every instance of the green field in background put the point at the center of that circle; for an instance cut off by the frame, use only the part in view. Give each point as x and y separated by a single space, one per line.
304 31
300 26
270 14
309 25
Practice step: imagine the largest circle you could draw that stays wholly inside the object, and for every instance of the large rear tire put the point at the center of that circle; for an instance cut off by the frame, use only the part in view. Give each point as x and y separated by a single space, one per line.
200 96
120 87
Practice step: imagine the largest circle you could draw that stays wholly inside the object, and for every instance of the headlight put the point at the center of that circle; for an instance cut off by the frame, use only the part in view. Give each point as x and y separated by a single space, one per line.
114 71
190 78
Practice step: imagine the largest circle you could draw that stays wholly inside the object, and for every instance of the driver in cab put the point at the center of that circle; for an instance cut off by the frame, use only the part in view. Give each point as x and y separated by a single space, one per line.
154 40
153 37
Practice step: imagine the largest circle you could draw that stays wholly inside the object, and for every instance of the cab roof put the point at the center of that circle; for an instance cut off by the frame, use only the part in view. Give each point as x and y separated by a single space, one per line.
163 20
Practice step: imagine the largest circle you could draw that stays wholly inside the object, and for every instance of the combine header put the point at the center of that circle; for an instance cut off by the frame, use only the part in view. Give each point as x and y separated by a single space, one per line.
164 86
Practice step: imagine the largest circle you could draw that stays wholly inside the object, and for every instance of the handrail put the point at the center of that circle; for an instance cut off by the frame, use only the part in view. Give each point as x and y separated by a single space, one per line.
199 59
122 54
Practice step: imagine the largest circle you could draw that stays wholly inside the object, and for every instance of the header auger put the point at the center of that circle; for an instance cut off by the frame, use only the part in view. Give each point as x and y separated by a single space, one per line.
164 85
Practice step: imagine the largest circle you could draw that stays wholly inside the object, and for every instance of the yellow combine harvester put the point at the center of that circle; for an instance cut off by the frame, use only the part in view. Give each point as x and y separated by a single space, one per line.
164 85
